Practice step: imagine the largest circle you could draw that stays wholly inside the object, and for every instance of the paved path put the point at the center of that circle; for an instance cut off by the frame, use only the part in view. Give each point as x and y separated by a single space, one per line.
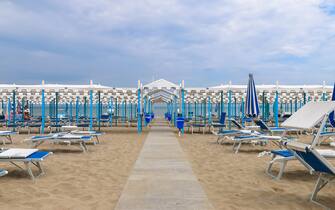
162 178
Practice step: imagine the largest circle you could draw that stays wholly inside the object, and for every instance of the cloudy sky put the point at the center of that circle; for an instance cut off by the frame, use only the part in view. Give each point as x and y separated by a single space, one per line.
117 42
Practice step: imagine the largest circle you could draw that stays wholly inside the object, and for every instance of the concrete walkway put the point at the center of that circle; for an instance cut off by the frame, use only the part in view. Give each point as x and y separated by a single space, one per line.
162 177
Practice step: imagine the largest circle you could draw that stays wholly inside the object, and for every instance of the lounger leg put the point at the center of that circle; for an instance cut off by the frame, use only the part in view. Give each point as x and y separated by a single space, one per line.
83 146
321 182
281 169
97 139
238 147
10 139
28 169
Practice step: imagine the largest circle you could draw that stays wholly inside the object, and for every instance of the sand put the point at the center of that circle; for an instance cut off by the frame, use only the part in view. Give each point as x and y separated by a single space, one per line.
239 181
74 180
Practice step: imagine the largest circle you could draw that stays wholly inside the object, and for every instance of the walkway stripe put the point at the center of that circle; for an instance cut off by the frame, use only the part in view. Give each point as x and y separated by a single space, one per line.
162 177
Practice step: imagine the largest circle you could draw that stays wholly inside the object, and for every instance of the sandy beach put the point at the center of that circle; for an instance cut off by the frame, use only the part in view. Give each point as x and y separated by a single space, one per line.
74 180
239 181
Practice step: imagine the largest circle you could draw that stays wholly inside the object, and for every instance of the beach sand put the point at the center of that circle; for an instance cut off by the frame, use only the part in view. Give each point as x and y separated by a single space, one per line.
238 181
74 180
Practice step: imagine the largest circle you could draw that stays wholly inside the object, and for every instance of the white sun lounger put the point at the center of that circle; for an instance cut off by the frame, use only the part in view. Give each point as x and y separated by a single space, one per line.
7 135
67 138
28 157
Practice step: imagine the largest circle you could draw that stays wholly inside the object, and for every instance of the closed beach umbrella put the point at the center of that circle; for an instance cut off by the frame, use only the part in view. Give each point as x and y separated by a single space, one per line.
251 104
331 116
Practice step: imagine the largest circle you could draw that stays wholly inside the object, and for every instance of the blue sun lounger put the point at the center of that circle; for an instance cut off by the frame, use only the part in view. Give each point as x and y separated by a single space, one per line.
62 137
28 157
316 164
264 127
306 118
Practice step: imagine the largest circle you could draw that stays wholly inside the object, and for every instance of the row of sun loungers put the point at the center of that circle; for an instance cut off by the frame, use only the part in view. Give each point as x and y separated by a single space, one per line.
26 159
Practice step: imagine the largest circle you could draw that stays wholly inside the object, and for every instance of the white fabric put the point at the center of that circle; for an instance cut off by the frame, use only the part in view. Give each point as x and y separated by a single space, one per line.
6 132
17 153
328 153
309 115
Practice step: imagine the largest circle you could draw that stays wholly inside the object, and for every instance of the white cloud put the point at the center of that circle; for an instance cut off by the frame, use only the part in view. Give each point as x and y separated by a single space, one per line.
172 37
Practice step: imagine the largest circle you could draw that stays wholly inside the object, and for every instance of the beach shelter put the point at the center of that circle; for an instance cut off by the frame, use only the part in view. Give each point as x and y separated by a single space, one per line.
331 115
251 103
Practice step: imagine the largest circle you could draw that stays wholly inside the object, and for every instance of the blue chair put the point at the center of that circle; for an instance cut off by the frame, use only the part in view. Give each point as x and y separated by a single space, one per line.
264 127
316 164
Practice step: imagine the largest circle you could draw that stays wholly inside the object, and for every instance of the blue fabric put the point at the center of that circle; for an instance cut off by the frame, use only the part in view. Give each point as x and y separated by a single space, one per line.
331 115
228 131
38 155
223 118
237 124
251 105
283 153
314 162
244 137
86 137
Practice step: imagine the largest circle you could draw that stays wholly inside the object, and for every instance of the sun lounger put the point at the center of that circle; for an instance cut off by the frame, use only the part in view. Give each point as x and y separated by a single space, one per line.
3 172
273 130
229 134
7 135
240 126
29 157
67 138
316 164
95 134
308 117
282 157
254 137
74 130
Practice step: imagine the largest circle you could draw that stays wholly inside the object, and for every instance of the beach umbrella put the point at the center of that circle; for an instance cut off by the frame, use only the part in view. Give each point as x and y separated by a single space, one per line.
251 104
331 115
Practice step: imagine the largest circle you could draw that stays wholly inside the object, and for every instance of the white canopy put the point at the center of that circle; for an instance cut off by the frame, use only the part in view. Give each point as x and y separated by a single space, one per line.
309 115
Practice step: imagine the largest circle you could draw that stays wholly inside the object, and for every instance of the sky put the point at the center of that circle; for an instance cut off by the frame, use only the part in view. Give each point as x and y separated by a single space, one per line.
205 43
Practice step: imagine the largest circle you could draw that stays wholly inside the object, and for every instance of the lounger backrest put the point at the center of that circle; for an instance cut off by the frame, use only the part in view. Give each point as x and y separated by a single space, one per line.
223 118
238 125
261 124
332 119
311 157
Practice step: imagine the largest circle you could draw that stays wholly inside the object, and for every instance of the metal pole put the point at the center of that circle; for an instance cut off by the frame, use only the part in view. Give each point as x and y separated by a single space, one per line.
43 112
139 120
91 110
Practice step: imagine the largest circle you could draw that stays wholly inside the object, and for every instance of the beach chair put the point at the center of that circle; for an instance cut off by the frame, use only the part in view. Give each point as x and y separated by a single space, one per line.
62 137
240 126
273 130
229 134
221 123
316 164
3 172
7 135
255 138
307 117
28 157
74 130
95 134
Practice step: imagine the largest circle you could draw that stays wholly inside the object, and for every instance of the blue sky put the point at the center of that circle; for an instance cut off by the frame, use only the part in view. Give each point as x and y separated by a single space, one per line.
206 43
